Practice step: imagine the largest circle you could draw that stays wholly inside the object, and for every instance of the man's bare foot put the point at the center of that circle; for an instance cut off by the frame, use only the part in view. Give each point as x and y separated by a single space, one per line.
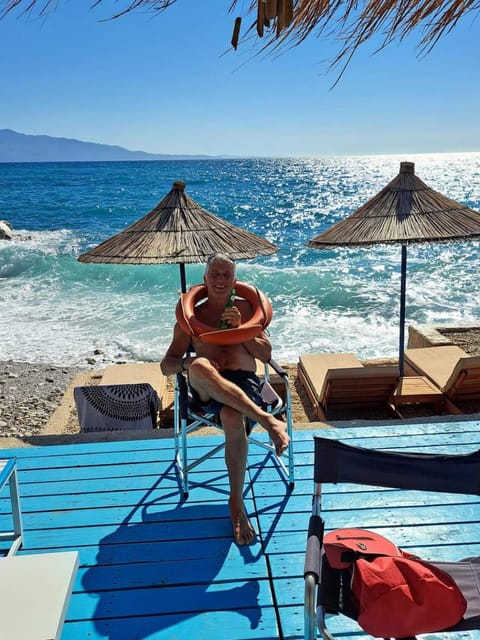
243 531
278 433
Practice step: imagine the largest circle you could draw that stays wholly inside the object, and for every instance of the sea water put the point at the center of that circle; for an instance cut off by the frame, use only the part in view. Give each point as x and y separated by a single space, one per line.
56 309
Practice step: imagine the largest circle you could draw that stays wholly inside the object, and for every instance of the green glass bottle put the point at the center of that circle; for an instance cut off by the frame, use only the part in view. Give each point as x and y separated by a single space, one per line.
231 299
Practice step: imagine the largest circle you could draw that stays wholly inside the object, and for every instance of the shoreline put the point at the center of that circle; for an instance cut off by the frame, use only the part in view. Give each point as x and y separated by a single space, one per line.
37 406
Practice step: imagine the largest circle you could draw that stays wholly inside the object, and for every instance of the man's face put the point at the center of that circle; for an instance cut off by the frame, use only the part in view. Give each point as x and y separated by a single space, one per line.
219 279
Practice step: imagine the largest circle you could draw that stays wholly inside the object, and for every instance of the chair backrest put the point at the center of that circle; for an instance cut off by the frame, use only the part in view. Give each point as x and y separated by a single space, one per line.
339 462
361 387
314 369
435 363
464 381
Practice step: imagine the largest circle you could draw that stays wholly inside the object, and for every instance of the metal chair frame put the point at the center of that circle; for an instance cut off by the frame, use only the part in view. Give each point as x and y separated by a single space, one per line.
337 462
8 475
186 420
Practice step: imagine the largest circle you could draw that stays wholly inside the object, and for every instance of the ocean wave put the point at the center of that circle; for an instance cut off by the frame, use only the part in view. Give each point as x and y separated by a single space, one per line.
57 309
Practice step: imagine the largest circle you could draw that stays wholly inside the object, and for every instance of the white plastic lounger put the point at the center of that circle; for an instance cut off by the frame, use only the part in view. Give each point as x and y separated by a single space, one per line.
34 594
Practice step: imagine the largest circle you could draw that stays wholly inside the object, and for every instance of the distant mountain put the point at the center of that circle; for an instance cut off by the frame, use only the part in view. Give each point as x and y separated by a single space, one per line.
19 147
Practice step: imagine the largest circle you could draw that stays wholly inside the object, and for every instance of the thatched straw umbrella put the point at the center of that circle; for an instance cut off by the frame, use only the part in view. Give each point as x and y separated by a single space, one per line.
406 211
290 22
178 231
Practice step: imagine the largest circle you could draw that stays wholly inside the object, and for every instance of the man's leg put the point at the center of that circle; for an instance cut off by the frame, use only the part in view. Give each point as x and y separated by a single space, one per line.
209 384
236 449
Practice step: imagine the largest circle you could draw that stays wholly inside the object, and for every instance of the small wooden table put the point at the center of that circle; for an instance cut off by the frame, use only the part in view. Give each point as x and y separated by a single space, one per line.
417 390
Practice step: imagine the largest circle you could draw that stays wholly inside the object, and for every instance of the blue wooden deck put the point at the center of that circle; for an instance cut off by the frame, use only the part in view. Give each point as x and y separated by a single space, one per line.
154 567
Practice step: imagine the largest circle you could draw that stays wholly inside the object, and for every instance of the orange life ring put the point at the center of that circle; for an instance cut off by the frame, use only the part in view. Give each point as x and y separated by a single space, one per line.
261 318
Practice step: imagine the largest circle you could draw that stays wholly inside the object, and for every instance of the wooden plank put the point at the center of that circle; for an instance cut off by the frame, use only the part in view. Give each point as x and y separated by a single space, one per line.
129 534
111 485
203 517
246 624
102 499
188 599
155 574
199 445
121 552
392 429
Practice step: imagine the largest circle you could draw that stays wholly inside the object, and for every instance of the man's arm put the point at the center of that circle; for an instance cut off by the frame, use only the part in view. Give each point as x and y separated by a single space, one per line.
172 361
259 347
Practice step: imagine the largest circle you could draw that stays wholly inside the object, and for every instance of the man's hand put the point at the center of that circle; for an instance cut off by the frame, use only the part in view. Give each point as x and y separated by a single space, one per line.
232 317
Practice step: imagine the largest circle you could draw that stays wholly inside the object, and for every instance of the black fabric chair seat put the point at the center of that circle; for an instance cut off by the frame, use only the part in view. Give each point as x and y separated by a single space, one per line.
327 590
188 418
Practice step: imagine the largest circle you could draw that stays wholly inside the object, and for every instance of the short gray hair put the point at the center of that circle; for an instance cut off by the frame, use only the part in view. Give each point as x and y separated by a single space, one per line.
221 257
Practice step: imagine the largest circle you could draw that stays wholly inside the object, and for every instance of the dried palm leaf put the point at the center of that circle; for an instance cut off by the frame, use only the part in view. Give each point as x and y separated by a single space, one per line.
350 21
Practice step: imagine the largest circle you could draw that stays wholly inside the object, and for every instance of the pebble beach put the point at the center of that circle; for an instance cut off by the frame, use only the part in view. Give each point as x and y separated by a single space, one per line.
29 394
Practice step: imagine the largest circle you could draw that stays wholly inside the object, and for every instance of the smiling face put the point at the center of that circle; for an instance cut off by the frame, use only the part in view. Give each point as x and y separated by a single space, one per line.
219 279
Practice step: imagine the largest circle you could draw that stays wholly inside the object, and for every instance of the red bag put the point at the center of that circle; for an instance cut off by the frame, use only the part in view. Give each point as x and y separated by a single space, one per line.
398 594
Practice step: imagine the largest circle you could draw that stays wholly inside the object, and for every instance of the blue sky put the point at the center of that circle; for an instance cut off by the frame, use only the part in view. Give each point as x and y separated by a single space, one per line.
170 84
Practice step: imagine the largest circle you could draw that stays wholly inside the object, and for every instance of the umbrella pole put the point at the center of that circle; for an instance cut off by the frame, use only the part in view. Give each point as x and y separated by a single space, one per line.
183 280
403 281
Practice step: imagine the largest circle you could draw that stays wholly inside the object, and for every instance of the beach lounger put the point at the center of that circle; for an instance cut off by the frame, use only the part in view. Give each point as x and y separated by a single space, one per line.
129 397
328 589
340 381
136 373
116 407
453 371
188 419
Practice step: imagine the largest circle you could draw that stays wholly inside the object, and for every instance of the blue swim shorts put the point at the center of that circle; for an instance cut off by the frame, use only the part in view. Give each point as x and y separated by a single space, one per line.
248 381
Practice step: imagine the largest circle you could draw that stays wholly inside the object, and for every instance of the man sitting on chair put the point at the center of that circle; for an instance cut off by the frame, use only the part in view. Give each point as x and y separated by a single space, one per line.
224 376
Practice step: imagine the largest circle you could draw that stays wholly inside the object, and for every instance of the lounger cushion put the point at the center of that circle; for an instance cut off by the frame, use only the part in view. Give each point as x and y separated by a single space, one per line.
436 363
316 366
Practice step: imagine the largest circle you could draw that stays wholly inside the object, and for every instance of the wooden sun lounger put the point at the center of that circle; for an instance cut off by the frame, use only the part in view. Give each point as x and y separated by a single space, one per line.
340 380
451 369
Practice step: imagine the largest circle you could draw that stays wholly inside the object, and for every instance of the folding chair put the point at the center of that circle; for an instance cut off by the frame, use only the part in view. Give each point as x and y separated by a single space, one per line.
187 419
327 590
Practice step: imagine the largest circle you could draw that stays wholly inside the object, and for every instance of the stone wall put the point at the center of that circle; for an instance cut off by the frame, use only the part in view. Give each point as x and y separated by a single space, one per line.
428 335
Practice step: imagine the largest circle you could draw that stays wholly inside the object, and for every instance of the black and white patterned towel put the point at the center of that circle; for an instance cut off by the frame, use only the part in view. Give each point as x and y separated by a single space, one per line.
116 407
